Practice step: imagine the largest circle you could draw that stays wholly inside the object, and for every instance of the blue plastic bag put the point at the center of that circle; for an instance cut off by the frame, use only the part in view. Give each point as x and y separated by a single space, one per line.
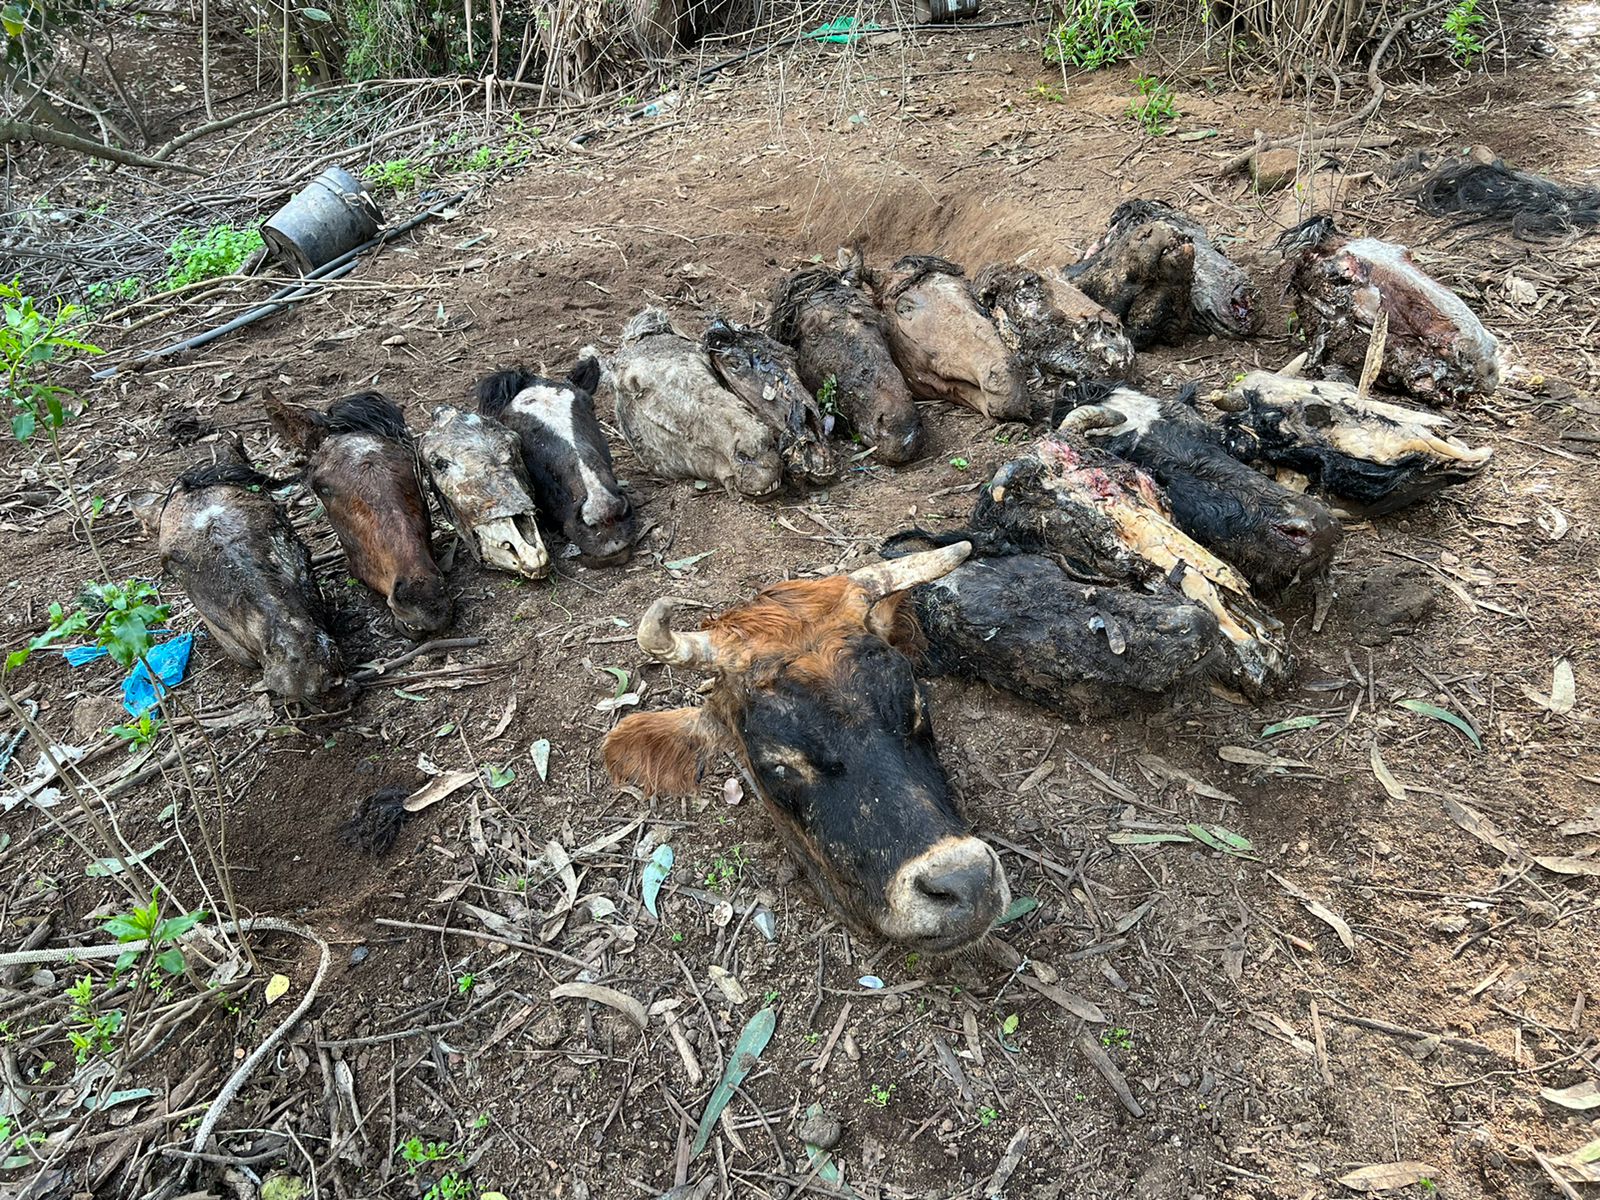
170 660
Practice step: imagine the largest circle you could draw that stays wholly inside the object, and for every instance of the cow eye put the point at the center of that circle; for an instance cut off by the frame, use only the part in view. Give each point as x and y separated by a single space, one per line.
438 463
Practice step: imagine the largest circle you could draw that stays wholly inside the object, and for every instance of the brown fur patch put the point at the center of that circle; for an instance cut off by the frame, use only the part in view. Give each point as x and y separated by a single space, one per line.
808 621
662 752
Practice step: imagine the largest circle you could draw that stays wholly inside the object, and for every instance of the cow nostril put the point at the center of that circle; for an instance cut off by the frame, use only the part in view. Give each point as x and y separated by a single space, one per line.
957 890
1295 530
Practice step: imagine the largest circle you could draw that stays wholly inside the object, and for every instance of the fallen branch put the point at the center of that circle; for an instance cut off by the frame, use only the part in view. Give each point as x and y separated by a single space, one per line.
23 131
1321 138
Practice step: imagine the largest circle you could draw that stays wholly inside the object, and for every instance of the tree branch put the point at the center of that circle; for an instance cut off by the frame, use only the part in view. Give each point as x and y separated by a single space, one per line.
23 131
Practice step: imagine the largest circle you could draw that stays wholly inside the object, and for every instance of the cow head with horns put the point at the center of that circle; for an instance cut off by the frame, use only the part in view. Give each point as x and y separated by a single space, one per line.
818 702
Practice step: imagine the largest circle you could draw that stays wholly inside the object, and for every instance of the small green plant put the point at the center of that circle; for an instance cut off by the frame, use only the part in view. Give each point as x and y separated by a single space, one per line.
415 1153
1155 106
137 734
197 255
813 1038
828 396
727 870
118 616
465 983
90 1031
959 463
1097 33
399 175
1428 1185
879 1097
1461 23
162 934
1045 90
1117 1038
31 340
987 1116
107 294
677 937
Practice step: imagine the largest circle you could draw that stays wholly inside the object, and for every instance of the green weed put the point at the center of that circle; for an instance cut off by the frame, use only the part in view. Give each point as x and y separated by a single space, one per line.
398 175
1097 33
987 1116
163 934
1155 106
32 340
1461 23
828 396
137 734
118 617
727 870
197 255
1117 1038
879 1096
90 1031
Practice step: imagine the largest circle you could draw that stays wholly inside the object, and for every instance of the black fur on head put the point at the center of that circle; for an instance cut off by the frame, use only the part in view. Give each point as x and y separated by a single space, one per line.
1311 234
913 268
376 822
497 391
1493 191
791 294
986 543
231 468
367 412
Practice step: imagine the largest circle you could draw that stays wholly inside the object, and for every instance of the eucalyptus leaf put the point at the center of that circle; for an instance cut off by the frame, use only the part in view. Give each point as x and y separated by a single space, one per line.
540 753
1445 715
654 875
747 1050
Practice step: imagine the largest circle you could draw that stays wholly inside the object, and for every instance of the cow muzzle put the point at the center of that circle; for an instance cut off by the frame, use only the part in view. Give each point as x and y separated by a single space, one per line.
947 897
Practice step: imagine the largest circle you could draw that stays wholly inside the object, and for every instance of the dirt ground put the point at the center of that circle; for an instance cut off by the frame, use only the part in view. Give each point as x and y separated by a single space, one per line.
1374 984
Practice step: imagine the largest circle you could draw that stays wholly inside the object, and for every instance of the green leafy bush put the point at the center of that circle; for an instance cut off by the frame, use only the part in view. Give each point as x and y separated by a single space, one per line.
31 339
1155 106
196 255
399 175
1097 33
1461 23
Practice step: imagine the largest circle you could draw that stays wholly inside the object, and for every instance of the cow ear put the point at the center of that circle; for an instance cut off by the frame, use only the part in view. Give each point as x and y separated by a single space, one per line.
301 425
586 375
894 620
664 753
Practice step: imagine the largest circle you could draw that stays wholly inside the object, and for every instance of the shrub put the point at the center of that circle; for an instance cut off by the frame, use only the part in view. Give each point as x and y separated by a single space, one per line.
1155 106
1097 33
197 255
1461 23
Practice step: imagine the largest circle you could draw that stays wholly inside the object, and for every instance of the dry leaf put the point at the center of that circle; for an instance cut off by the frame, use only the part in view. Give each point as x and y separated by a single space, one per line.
1380 771
728 984
1563 689
1320 911
1589 822
1245 756
610 997
1160 771
1386 1177
1580 1096
277 988
1480 827
437 789
1568 864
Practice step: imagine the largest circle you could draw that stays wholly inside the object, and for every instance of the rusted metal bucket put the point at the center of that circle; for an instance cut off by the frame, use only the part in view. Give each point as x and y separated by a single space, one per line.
334 214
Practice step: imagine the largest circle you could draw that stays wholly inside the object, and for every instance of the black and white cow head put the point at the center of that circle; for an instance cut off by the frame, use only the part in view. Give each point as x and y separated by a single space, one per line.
567 457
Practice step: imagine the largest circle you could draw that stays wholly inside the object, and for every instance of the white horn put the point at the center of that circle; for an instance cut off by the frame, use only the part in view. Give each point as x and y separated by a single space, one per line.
1090 416
1292 368
661 642
898 574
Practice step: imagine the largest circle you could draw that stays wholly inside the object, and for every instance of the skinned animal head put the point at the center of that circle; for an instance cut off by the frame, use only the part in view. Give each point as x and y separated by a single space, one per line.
477 468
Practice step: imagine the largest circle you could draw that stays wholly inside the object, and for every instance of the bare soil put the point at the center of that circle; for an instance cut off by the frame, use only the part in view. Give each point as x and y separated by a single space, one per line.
1232 987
